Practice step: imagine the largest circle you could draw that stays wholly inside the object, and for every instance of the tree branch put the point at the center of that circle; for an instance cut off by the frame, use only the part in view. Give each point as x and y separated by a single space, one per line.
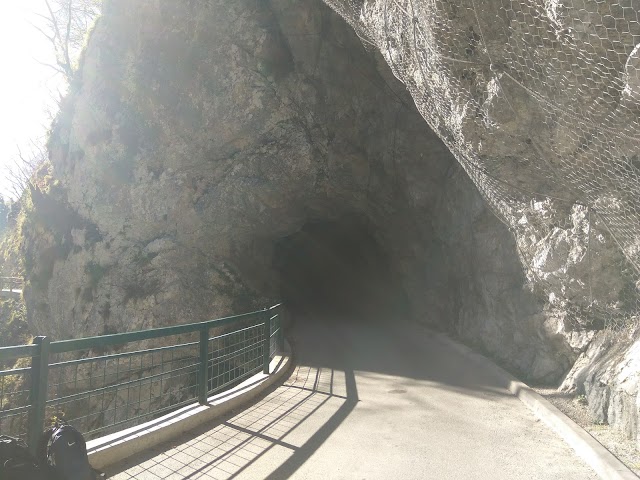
66 40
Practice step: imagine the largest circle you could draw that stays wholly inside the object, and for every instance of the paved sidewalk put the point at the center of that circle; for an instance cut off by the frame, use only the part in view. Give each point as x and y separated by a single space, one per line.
374 401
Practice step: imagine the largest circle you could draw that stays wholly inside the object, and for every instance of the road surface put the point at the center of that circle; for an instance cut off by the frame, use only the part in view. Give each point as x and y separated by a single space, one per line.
371 400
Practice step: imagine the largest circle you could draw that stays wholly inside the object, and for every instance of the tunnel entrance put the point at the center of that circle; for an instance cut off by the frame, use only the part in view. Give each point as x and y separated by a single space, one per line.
337 267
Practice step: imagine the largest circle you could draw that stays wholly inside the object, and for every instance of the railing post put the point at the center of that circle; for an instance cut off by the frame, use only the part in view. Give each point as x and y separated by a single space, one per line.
204 366
280 336
267 341
38 391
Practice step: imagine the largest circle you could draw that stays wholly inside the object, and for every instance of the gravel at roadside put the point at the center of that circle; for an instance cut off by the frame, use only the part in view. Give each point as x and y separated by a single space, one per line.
574 406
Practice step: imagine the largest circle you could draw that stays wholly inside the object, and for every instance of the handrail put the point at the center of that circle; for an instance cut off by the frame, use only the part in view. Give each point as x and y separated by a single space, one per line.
17 351
63 346
115 389
12 283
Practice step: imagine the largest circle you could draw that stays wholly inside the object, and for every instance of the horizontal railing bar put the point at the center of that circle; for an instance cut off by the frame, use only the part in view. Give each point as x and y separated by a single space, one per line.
17 351
215 360
128 408
15 411
14 371
137 417
63 346
15 393
242 365
141 381
236 380
120 355
130 372
119 338
218 337
238 361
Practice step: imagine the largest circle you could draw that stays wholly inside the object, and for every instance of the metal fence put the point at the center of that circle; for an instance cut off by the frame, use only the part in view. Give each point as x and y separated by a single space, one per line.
108 383
11 284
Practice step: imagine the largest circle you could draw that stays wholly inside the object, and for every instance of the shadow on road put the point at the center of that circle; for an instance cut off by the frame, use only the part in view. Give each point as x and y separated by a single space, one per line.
294 420
389 346
229 448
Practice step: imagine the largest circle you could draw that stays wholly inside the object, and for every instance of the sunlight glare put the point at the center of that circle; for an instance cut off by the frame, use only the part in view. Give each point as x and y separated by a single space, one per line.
27 87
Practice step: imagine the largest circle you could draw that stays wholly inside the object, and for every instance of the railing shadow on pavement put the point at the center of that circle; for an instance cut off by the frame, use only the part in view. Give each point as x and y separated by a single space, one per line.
227 449
321 394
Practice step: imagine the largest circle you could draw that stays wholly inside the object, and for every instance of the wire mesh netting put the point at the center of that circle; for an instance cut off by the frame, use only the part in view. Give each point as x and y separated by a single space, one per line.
275 337
234 357
105 393
15 402
539 102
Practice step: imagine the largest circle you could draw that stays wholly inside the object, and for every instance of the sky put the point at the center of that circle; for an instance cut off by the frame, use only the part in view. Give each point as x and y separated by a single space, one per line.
27 88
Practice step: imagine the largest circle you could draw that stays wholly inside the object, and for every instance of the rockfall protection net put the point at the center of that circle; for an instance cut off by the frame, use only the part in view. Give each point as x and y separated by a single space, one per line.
539 102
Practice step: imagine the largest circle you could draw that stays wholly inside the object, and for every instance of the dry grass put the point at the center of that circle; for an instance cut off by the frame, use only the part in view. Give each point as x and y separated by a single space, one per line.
575 407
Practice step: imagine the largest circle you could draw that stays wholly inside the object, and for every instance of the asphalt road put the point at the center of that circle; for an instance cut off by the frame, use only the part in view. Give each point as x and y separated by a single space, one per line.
372 401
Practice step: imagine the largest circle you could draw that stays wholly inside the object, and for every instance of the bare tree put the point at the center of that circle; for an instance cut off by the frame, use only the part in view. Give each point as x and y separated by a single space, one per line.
65 25
22 169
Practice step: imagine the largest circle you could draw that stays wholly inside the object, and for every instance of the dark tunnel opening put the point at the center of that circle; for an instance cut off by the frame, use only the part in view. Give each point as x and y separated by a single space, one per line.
337 268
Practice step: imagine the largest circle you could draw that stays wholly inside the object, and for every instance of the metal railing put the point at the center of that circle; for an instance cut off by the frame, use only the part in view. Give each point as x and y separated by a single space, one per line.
12 284
108 383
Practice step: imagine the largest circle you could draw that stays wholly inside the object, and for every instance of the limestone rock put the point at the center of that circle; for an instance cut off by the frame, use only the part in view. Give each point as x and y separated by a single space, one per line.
196 137
200 134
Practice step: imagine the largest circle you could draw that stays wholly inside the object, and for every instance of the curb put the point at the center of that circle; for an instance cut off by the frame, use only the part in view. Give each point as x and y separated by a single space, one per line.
112 449
601 460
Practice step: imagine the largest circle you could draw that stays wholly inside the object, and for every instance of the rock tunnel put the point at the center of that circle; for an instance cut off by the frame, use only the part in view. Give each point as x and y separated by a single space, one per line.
277 160
336 268
233 154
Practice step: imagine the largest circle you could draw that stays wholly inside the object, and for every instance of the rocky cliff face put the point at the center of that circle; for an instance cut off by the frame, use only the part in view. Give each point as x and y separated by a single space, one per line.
538 101
199 135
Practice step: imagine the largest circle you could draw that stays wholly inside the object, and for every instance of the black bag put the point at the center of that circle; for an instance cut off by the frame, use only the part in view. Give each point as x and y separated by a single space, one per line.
16 462
64 450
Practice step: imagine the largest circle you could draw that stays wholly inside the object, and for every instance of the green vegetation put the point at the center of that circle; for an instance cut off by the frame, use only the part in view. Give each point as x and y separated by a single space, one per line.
4 214
13 323
13 315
